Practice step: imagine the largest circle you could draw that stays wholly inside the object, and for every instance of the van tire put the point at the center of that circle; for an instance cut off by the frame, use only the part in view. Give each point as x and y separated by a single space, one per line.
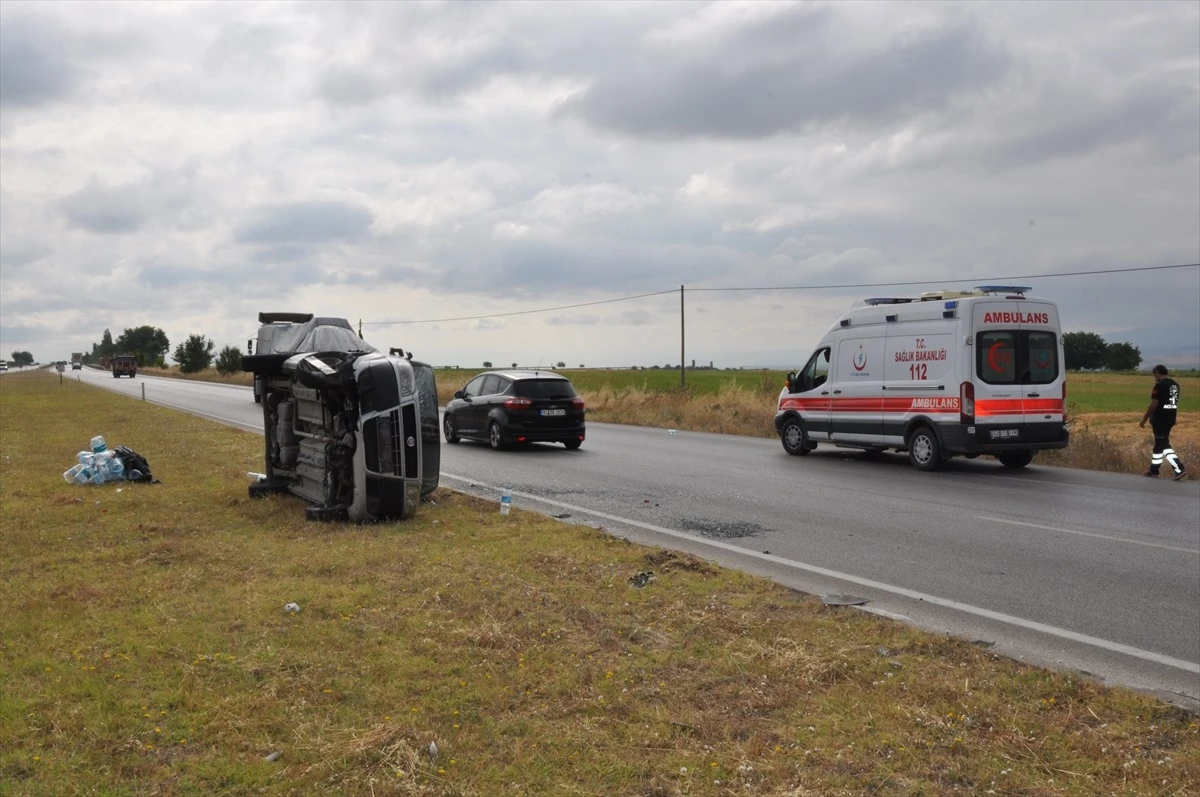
1015 459
924 452
794 440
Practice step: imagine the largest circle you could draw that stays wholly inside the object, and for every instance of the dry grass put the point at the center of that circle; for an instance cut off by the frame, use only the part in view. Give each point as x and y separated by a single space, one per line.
145 651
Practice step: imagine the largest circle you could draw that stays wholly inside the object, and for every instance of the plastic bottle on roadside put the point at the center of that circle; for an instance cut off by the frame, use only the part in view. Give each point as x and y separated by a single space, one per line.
505 502
99 476
72 472
103 458
83 475
98 444
86 458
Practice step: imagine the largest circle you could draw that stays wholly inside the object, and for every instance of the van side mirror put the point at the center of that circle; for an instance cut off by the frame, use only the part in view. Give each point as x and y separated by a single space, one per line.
791 381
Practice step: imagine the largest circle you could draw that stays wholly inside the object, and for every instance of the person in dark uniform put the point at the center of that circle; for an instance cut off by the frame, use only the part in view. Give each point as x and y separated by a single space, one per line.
1164 402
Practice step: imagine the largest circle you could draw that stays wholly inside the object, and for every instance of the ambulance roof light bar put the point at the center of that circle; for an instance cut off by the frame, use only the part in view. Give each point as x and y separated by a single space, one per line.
887 300
1003 289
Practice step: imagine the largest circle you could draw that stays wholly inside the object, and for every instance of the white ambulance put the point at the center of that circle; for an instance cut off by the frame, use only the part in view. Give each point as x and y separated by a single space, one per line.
943 374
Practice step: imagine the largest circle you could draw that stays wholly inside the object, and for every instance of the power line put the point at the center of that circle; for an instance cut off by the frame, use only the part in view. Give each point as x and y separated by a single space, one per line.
792 288
521 312
967 279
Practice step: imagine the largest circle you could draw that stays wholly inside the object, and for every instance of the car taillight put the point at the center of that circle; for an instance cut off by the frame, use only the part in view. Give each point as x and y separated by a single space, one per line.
577 403
1064 407
966 403
518 403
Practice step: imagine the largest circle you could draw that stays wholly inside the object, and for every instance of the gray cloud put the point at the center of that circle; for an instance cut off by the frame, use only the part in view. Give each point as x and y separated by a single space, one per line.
33 70
785 75
311 222
125 208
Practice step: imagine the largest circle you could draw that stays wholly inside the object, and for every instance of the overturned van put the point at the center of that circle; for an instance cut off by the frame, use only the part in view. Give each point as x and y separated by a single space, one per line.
943 374
356 433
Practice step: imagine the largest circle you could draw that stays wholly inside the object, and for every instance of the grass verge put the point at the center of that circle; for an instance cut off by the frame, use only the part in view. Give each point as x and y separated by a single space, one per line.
146 651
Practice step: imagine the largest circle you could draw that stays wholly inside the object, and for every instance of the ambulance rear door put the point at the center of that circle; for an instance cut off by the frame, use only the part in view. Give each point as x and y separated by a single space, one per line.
1017 372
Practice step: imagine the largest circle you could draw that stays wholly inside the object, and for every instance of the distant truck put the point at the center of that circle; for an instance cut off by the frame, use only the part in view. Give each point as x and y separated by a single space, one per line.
124 365
77 361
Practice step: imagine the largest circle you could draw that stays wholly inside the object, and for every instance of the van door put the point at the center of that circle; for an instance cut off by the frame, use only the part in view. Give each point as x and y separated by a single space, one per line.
1041 372
856 397
809 395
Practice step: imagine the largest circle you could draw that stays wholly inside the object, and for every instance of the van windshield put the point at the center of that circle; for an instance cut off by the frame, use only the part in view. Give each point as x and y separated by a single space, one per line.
1016 357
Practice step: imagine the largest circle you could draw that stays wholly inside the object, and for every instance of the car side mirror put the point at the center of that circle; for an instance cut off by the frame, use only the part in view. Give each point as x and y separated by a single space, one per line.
459 394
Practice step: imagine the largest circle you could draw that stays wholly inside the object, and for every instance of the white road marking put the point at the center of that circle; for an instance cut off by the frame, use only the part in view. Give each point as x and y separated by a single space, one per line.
1020 622
1087 534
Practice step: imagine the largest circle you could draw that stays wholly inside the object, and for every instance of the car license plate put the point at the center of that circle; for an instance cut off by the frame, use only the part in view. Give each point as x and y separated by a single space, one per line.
554 412
1005 434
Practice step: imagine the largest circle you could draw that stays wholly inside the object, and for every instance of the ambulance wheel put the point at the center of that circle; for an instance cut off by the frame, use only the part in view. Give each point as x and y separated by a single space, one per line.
923 450
794 440
1015 459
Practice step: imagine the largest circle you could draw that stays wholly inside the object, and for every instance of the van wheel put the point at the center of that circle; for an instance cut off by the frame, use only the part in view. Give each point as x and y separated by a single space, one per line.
448 428
923 449
1015 459
795 442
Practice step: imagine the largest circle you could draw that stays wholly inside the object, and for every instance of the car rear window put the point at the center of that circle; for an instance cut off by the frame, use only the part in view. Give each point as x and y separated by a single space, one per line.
544 388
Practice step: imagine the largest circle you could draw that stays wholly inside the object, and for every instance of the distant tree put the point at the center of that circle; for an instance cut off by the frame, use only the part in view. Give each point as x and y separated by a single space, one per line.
560 364
22 358
581 365
487 363
149 344
1084 351
229 361
1122 357
194 354
514 365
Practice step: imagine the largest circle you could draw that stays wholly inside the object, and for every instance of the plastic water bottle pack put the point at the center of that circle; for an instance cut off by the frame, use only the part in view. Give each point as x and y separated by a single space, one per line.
97 465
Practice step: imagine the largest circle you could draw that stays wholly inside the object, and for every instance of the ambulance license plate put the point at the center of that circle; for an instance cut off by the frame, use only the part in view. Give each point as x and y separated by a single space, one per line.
1005 434
554 412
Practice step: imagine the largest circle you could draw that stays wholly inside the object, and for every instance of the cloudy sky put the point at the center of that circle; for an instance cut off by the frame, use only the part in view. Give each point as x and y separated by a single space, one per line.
187 165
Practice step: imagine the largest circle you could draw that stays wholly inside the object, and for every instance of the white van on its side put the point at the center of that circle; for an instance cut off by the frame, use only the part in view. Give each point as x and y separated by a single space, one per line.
943 374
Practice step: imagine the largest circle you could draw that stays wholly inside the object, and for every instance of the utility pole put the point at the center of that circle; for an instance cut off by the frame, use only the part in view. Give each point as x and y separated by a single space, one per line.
682 378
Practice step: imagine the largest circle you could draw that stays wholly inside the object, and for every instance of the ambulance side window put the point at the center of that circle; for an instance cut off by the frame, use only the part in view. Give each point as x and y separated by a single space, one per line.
815 372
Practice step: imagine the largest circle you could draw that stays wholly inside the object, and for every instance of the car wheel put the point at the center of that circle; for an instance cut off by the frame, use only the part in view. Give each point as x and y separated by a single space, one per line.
494 438
572 444
1015 459
923 449
449 430
795 442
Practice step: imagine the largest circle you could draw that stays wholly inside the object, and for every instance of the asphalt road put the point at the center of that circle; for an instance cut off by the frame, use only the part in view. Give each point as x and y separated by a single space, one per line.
1094 572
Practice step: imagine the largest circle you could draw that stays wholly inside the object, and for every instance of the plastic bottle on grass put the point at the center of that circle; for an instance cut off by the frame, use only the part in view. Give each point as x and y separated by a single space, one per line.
72 472
98 444
505 502
115 469
86 458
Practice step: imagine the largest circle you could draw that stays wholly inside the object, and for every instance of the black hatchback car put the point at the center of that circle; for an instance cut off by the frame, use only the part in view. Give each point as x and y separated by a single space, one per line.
507 407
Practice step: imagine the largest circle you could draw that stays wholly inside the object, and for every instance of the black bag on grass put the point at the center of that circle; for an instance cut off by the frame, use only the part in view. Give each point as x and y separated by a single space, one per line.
132 461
